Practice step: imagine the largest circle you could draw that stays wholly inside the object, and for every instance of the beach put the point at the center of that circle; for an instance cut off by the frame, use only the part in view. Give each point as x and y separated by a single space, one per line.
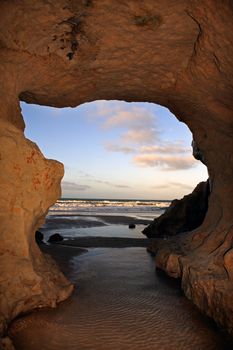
120 300
101 217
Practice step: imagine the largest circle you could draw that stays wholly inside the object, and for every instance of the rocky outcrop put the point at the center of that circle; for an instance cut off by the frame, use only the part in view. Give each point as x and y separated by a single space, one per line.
29 185
64 53
182 215
197 153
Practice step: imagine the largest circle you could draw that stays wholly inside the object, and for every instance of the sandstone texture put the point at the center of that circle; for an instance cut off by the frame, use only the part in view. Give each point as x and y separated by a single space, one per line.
177 53
182 215
29 185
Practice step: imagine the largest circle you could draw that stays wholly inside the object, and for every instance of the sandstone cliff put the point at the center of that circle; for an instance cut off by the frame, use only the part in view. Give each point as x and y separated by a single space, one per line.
29 185
63 53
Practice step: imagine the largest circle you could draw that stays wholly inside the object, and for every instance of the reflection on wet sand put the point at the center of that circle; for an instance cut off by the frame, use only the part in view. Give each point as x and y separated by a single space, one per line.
119 303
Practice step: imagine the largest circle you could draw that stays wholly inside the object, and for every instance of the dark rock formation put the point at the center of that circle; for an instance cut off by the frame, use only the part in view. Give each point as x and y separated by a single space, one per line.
39 237
132 225
197 153
183 61
182 215
56 237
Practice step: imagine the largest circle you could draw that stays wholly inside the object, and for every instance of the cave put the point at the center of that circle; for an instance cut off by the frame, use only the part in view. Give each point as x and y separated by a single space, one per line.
63 53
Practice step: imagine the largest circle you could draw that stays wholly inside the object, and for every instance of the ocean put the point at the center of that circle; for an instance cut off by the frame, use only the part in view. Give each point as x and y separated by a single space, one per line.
131 207
74 218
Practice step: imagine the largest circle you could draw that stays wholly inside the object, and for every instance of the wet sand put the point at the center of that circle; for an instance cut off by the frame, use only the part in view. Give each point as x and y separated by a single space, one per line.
74 227
120 303
89 220
105 242
114 219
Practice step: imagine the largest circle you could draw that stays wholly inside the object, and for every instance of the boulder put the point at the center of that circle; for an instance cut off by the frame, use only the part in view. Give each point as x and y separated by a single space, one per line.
56 237
132 225
182 215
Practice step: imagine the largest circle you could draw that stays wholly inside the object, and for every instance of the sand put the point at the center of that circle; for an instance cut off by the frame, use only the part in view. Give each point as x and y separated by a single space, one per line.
119 303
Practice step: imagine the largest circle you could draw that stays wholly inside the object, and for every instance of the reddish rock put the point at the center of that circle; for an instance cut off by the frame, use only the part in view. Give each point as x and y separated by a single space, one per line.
30 184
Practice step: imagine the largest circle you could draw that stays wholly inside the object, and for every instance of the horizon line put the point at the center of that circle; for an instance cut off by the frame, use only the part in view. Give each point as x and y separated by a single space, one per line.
117 199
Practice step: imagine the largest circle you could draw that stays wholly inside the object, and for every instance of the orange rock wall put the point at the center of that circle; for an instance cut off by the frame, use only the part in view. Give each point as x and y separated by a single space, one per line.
30 184
177 53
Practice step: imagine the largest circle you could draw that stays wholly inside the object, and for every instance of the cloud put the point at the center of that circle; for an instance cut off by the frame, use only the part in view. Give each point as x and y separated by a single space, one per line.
176 185
181 185
166 156
121 186
141 136
84 175
138 123
126 116
108 183
164 162
72 186
175 147
122 149
105 108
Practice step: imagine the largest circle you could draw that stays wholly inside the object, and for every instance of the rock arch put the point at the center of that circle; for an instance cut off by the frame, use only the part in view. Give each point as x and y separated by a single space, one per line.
65 52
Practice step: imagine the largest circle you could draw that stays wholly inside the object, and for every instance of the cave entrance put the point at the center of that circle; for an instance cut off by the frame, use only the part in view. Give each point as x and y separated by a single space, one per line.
176 53
125 159
124 163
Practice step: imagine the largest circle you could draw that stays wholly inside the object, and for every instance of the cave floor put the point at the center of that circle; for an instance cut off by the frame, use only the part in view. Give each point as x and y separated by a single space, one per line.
120 302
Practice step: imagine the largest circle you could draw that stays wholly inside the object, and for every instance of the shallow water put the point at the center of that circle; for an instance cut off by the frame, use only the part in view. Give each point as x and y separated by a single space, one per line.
120 303
102 231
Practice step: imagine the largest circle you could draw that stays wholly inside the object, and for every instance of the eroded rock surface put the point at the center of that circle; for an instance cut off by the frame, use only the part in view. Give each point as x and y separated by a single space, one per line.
63 53
182 215
29 185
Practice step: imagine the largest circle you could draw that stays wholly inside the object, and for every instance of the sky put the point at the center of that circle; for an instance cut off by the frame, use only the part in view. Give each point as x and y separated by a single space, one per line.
116 150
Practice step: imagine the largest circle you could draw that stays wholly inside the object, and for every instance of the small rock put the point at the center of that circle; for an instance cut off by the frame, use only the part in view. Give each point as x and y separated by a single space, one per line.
132 225
55 238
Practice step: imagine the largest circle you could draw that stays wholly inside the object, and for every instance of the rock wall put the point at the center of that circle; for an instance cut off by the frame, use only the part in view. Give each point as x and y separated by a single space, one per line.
177 53
182 215
30 184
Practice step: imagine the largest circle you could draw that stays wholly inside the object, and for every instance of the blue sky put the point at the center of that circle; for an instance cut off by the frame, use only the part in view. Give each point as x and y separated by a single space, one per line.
113 149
